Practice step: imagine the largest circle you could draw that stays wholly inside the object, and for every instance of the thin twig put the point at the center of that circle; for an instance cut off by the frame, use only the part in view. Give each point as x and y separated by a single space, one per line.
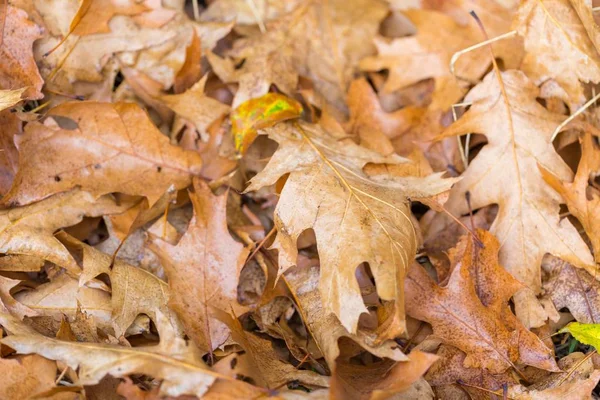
572 117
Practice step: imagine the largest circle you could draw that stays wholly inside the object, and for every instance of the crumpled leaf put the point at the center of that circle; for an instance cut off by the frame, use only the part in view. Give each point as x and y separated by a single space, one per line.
113 148
340 37
575 389
182 370
327 191
471 311
505 172
18 68
557 47
9 98
29 230
582 199
574 289
260 113
196 107
203 269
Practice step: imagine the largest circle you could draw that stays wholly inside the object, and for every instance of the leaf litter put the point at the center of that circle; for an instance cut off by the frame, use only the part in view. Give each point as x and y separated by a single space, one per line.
243 199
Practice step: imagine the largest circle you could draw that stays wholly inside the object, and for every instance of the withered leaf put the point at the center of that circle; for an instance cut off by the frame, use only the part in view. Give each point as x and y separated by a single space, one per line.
471 311
327 191
203 268
505 172
113 148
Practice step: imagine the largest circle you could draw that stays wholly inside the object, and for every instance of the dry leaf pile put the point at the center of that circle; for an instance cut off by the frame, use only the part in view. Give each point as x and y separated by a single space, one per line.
244 199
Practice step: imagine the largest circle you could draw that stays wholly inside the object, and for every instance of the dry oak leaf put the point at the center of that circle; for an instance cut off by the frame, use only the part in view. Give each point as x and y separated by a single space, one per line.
574 289
583 200
134 290
586 15
576 389
328 191
10 125
93 15
471 311
173 360
196 107
557 47
18 68
371 123
340 35
29 230
113 148
8 302
9 98
325 328
505 172
203 269
244 13
24 377
261 362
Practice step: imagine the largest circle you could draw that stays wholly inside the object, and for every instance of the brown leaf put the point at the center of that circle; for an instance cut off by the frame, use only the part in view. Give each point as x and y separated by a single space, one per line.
8 303
191 70
471 311
25 376
203 268
340 37
93 15
557 47
196 107
327 191
582 199
574 289
113 148
9 157
18 68
505 172
29 230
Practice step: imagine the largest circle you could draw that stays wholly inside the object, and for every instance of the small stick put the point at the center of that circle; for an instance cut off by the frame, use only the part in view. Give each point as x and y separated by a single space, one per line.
572 117
459 53
577 365
468 198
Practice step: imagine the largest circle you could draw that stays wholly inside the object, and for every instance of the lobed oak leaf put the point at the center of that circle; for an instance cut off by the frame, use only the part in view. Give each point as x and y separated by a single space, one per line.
203 268
505 172
326 190
172 360
471 311
29 230
340 37
570 287
557 47
113 148
196 106
244 13
9 98
9 303
93 15
18 68
27 377
583 200
10 125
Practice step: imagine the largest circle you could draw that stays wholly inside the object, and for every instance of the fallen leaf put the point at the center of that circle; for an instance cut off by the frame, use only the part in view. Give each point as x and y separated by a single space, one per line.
582 199
182 371
8 303
326 174
24 377
505 172
18 68
9 98
470 312
10 125
29 230
576 389
553 33
203 268
113 148
585 333
196 106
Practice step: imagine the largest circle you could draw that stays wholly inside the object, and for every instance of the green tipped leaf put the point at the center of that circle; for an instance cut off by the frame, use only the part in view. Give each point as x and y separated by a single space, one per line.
584 333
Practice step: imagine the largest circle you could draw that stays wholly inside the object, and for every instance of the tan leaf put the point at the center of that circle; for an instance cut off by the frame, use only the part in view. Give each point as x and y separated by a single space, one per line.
18 68
574 289
505 172
471 311
182 371
29 230
583 199
340 37
10 125
261 362
9 98
244 13
8 303
557 47
23 377
327 191
93 15
196 107
371 123
114 148
191 70
135 291
203 268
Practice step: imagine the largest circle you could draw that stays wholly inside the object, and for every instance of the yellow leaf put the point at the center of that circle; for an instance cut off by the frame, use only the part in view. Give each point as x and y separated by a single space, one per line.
586 333
9 98
259 113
